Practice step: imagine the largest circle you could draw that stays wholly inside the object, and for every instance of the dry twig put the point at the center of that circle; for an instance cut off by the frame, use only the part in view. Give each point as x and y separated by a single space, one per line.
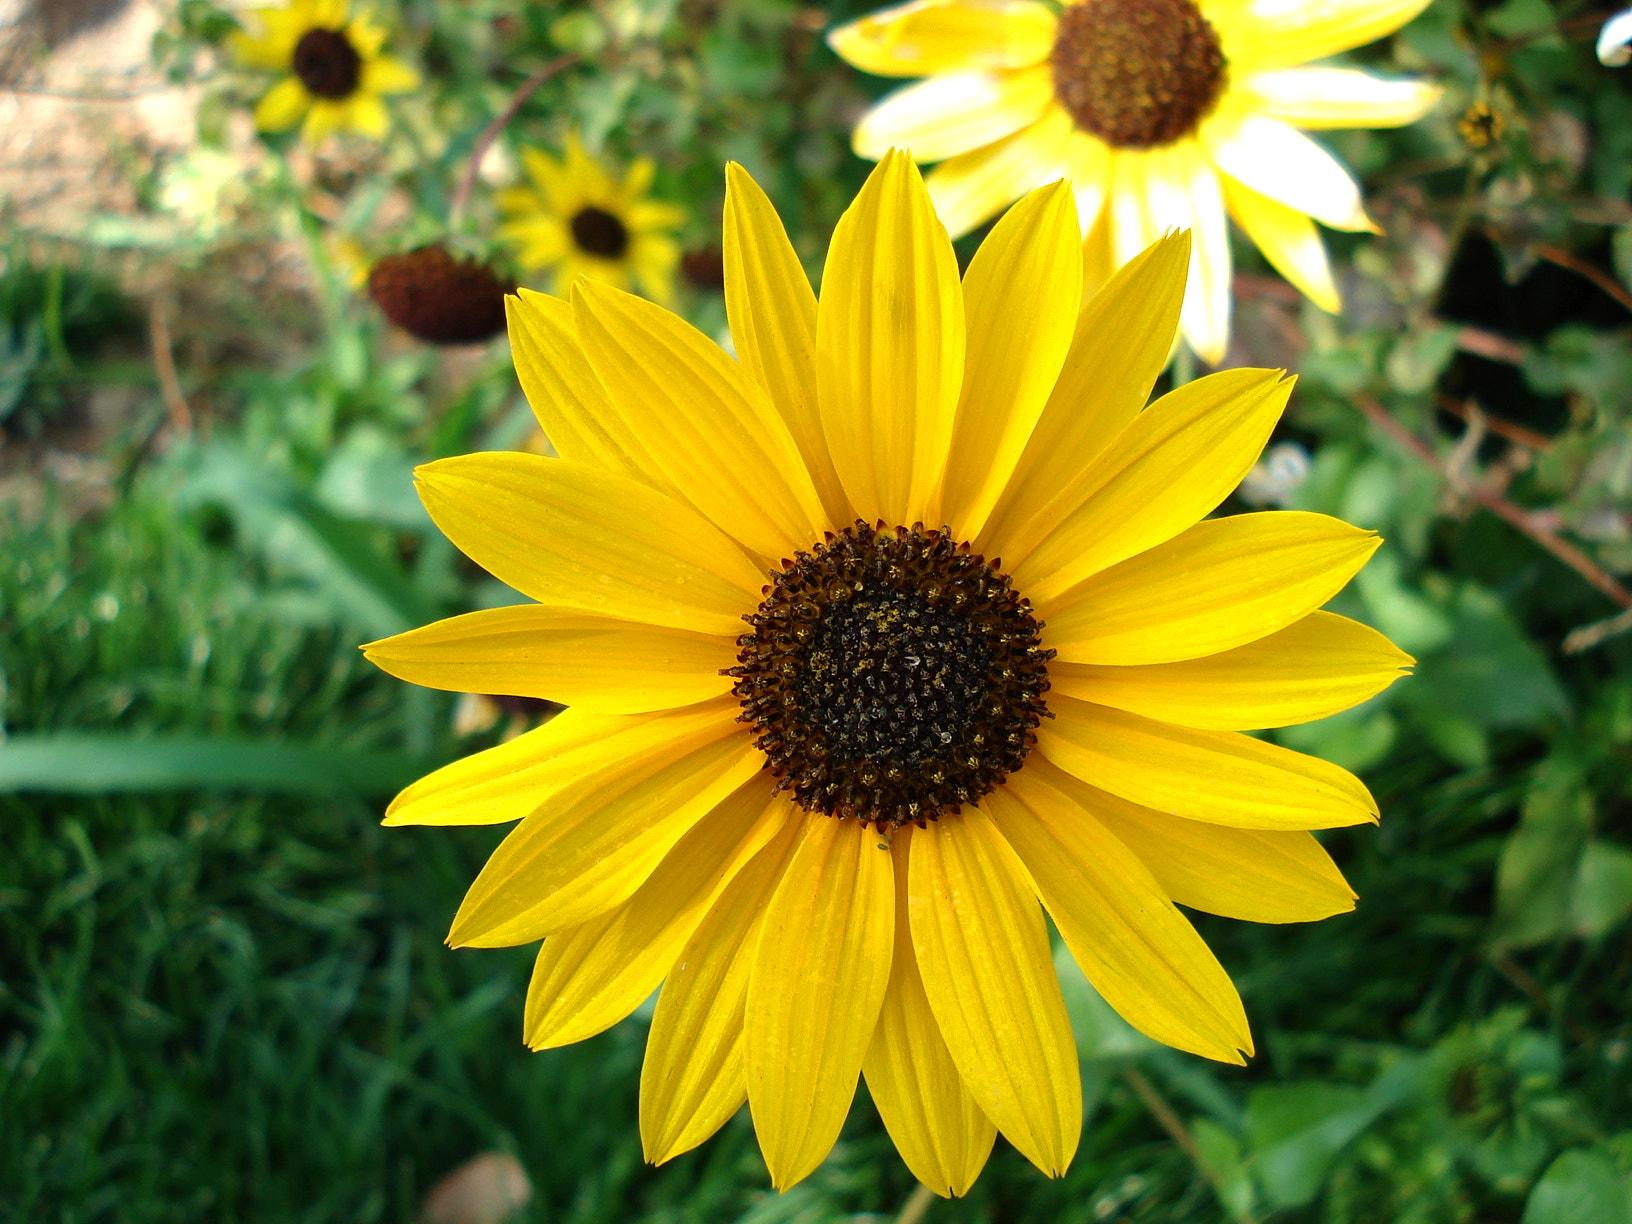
1534 524
478 151
1604 281
164 365
1174 1125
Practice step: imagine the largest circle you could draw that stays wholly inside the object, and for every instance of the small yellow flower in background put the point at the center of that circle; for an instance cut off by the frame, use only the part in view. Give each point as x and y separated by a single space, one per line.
573 218
832 838
1165 113
337 75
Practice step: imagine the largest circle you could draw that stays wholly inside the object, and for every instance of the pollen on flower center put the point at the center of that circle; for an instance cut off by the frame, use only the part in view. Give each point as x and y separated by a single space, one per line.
1137 73
327 64
599 233
892 676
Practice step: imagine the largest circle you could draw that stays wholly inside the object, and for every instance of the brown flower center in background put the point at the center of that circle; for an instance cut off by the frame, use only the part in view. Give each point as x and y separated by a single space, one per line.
436 297
327 64
1137 73
892 676
598 232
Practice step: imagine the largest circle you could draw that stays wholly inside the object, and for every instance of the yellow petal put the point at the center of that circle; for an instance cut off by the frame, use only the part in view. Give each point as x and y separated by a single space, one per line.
597 839
955 113
1222 777
365 37
711 430
1173 187
590 977
507 782
1175 462
821 964
1280 33
1275 159
542 241
565 394
1339 98
283 107
1022 294
1288 240
1222 583
367 114
386 75
940 1132
1255 875
1314 667
929 36
975 186
772 310
554 182
983 951
1122 339
273 48
611 667
574 536
1140 953
694 1076
889 345
322 118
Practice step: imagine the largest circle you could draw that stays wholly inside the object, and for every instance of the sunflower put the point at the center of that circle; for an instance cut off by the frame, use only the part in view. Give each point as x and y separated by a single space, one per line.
576 219
1163 112
831 834
337 75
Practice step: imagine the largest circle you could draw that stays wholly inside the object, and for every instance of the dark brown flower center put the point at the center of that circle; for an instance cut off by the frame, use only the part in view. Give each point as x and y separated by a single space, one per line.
1137 73
598 232
436 296
327 64
892 676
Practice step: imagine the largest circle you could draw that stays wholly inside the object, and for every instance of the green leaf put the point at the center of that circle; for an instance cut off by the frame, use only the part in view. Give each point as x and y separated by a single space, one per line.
342 557
1581 1187
89 764
1221 1157
1296 1130
1419 357
1602 894
1521 18
1536 875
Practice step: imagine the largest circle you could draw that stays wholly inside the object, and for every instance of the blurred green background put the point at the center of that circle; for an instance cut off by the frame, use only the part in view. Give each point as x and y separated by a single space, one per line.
223 993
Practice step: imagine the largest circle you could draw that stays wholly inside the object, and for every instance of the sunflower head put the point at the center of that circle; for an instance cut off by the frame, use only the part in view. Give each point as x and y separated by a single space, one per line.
575 218
1163 113
336 74
438 297
999 662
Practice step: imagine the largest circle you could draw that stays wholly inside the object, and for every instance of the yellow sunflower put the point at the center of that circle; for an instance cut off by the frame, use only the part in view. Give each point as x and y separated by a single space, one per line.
1163 112
831 834
575 219
337 75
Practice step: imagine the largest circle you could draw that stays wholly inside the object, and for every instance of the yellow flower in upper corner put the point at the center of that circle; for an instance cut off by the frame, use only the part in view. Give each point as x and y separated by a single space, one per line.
575 219
337 75
1163 112
832 838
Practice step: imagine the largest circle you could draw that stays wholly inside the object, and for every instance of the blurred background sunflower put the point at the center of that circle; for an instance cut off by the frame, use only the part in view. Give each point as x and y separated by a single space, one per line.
338 78
1163 113
574 217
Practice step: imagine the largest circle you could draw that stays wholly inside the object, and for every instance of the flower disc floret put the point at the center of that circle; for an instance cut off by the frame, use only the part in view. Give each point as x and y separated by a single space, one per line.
892 675
327 64
1137 73
598 232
